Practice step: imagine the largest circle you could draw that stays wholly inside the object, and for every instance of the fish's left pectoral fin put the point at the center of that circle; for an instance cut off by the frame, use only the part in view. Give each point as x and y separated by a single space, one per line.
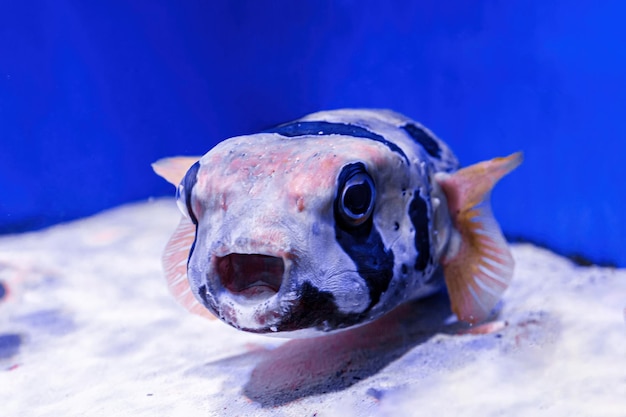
478 265
174 169
175 265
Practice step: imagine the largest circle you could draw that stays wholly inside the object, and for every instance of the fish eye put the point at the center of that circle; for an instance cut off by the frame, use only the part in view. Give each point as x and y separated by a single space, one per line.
357 198
181 200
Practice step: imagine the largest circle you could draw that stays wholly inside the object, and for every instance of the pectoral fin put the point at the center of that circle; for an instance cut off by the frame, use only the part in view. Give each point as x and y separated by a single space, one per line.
478 264
175 265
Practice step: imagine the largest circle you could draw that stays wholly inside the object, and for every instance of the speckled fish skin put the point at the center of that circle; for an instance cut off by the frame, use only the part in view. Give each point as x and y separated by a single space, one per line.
318 225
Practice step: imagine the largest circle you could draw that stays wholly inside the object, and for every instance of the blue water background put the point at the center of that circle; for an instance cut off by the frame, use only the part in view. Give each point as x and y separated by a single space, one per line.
92 92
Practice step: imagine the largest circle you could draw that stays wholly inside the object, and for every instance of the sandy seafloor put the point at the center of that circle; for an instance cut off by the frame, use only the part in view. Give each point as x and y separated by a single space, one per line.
87 328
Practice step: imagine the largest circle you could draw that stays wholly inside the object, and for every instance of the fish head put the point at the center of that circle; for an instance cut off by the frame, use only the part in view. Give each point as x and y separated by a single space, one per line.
298 235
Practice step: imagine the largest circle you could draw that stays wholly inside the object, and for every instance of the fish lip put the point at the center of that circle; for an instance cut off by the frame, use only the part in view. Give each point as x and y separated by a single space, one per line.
263 306
251 278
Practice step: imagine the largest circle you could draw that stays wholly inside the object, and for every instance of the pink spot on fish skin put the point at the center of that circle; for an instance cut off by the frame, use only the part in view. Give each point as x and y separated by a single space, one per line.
276 238
291 256
300 204
197 208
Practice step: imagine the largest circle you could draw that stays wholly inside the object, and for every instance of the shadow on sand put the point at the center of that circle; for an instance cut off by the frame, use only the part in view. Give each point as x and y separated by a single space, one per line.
305 367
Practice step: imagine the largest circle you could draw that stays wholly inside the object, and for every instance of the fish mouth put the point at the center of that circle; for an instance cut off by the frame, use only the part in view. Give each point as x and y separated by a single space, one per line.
256 277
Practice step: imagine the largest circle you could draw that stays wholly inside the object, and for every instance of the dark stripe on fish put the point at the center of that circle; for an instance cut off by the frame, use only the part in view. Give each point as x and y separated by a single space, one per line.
364 245
314 309
420 136
319 128
189 181
193 245
418 213
205 300
210 303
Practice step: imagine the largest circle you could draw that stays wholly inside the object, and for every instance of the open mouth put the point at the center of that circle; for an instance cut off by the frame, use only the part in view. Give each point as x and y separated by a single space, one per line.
256 277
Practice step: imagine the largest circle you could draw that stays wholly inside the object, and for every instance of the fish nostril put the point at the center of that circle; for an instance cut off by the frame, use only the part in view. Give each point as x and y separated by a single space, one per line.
253 276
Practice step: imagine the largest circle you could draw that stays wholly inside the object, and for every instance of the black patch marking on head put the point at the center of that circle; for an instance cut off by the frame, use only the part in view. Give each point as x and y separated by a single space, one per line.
396 226
3 290
420 136
404 269
203 295
193 245
320 128
209 304
364 245
315 309
189 181
418 213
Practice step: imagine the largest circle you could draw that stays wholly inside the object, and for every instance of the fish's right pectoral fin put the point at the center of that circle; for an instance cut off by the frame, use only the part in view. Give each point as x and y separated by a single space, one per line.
478 265
174 169
175 259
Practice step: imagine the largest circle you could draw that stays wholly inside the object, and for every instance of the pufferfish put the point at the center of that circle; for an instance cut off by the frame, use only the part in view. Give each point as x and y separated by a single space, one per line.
330 222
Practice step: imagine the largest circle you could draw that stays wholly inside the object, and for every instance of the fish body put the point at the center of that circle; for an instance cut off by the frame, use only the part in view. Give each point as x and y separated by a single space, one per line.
331 221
